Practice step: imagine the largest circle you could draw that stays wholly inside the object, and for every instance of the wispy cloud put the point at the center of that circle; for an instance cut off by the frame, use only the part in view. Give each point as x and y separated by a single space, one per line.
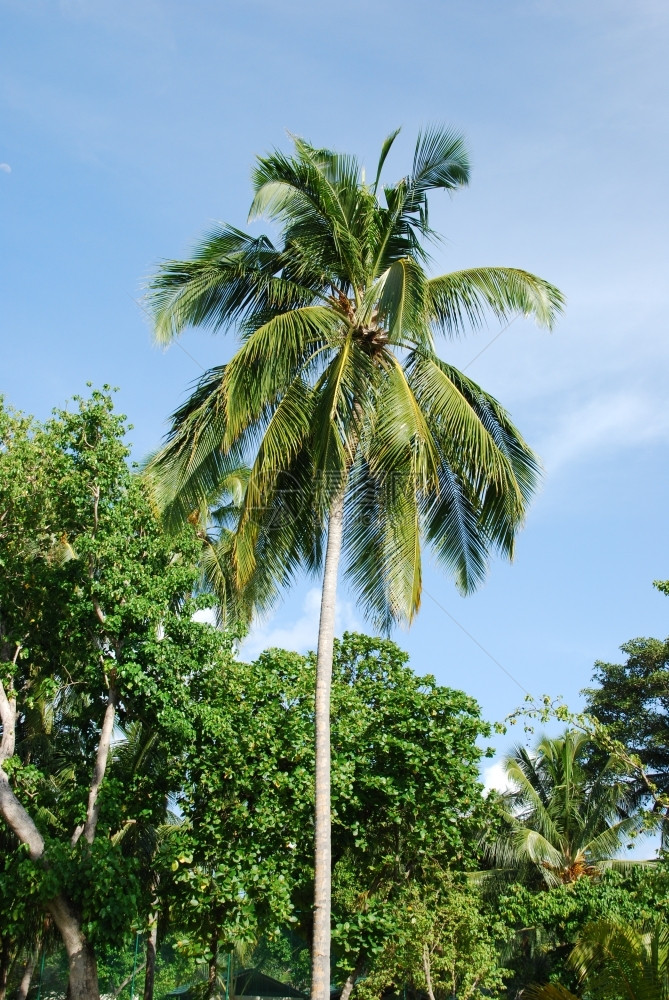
605 424
5 167
300 634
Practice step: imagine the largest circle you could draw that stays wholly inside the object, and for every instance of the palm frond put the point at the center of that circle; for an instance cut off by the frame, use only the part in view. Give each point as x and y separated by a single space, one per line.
230 275
617 960
440 161
385 149
382 541
460 300
187 474
268 362
547 991
400 302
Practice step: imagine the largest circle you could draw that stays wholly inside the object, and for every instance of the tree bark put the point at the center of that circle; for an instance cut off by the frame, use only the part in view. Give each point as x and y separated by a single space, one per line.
320 952
102 757
81 961
151 943
27 977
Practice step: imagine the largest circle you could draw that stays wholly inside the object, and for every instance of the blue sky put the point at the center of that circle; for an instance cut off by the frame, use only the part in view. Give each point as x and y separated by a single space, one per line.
128 126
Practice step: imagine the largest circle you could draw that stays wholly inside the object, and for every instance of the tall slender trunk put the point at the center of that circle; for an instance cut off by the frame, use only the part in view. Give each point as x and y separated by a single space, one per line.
213 968
27 977
151 944
320 952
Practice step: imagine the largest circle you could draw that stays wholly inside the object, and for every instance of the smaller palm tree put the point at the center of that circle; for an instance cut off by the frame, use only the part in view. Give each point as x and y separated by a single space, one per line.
616 962
561 823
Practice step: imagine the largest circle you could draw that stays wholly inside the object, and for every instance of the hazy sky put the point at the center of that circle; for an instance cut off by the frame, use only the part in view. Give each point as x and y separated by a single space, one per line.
129 125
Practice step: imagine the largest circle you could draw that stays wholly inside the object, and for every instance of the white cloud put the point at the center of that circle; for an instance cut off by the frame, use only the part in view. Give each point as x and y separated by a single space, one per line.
606 423
5 167
299 635
494 777
206 615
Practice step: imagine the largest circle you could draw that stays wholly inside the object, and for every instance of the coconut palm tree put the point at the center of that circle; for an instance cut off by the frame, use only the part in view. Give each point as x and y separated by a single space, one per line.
359 437
616 962
563 824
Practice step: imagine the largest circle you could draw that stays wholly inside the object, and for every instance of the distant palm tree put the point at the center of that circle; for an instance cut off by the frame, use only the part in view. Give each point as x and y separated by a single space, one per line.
359 437
616 962
561 823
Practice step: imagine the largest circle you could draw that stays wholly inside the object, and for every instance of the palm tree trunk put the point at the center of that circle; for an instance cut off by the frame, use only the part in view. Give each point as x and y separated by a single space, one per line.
151 944
320 952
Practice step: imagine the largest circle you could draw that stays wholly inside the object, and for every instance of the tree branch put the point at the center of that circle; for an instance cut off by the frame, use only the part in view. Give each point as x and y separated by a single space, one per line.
18 820
125 982
8 720
426 970
93 808
13 813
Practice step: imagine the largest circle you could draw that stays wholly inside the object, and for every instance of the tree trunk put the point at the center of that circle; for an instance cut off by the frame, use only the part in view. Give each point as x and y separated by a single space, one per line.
351 981
151 943
81 961
27 977
427 971
5 963
320 952
213 968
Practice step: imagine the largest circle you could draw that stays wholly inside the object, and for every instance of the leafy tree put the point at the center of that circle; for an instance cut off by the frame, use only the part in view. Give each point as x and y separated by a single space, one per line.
405 791
561 823
632 700
95 619
444 946
543 926
229 868
615 961
355 430
405 788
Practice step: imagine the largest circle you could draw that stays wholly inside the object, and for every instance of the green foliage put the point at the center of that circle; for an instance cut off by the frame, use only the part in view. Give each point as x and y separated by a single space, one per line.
563 821
336 382
444 944
613 960
546 924
405 790
631 700
93 599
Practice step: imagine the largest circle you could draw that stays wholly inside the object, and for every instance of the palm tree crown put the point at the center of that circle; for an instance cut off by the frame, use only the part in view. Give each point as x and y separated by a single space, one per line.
560 822
337 384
